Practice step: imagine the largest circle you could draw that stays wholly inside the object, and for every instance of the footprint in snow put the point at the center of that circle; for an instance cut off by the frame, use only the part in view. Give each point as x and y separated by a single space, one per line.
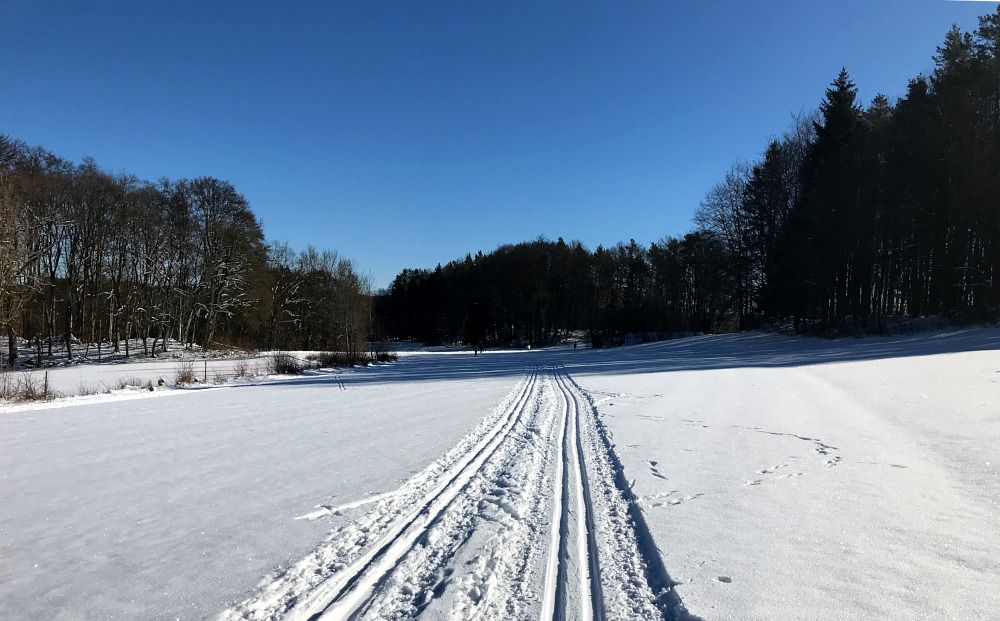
694 423
678 501
675 501
789 475
772 469
655 471
649 500
724 579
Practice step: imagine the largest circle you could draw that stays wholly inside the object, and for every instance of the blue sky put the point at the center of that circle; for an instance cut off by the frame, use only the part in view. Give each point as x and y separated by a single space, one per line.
405 133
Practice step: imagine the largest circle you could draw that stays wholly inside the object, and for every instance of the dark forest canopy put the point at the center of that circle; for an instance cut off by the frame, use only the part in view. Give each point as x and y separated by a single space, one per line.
540 291
857 214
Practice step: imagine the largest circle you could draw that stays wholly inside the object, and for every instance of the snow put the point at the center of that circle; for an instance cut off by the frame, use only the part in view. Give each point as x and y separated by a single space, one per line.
74 380
761 476
172 508
810 490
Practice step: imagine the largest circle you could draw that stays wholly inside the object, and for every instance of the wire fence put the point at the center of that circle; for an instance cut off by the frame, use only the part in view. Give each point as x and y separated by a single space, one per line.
29 384
251 366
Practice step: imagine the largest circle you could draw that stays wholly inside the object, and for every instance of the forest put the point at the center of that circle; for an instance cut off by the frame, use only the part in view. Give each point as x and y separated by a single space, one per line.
856 215
88 257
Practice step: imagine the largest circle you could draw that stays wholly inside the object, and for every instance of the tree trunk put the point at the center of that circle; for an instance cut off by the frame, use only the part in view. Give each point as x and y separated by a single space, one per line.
11 346
112 325
52 316
188 335
69 330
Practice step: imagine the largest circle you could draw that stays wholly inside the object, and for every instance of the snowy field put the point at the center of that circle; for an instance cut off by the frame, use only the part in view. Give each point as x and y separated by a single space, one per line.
720 477
87 376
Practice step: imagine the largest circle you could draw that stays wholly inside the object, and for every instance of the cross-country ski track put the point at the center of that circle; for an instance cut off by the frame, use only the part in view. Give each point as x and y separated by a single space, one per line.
528 488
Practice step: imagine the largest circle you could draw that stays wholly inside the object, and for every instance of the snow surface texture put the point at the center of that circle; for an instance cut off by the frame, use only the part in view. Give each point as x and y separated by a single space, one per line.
723 477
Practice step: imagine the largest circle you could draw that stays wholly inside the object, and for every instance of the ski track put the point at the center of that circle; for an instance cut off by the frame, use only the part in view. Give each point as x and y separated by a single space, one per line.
528 517
587 546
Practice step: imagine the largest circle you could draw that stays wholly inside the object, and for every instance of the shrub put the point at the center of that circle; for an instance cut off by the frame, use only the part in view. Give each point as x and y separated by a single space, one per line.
331 359
284 364
241 368
185 373
129 382
334 359
84 389
380 352
384 356
26 387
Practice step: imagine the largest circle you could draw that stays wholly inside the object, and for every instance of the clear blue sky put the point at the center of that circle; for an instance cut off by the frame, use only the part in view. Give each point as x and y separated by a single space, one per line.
409 133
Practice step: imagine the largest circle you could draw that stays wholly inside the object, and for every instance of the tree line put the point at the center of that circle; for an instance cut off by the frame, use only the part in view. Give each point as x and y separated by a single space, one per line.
89 257
541 291
858 214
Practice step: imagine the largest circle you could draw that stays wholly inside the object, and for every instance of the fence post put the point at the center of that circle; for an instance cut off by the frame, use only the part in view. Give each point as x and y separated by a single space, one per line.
205 381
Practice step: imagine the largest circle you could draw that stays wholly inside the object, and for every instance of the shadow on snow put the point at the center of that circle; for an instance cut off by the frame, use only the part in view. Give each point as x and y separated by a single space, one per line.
709 352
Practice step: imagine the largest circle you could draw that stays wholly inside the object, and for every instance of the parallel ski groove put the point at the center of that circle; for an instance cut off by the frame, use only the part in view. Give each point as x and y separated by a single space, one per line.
553 602
591 570
571 480
544 457
348 590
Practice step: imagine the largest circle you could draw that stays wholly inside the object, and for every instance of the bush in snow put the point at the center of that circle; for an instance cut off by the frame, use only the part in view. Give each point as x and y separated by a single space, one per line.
185 373
25 387
284 364
241 368
333 359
